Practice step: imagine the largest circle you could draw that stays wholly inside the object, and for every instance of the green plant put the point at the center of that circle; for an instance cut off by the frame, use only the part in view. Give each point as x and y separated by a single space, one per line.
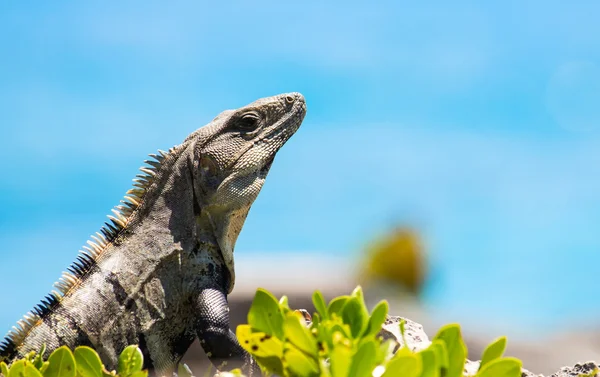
343 341
82 362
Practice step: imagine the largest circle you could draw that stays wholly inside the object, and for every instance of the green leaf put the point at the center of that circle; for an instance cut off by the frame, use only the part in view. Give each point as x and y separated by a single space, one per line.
402 326
31 371
590 373
184 371
284 303
44 367
441 353
405 366
340 358
299 335
61 363
494 351
300 364
429 363
377 318
386 349
88 363
355 314
271 364
17 368
457 351
140 373
131 360
265 314
336 305
39 359
403 351
232 373
258 343
3 369
319 303
342 328
358 293
29 356
363 361
379 355
338 337
316 321
505 367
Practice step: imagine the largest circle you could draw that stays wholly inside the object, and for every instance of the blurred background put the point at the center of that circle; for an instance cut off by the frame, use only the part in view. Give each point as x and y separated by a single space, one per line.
458 140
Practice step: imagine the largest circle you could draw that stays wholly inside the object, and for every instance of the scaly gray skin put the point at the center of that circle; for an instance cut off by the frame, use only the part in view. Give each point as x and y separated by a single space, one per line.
160 272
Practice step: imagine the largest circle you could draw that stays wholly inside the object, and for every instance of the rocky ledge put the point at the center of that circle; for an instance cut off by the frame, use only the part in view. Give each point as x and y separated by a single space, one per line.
416 340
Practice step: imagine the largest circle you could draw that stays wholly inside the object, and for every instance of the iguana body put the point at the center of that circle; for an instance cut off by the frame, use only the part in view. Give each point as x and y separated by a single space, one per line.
158 275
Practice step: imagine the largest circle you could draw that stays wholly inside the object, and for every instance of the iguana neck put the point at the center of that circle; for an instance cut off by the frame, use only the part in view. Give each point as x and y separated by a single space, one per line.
174 215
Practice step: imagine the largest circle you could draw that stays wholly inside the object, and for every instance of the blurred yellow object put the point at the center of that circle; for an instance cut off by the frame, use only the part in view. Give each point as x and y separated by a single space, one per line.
396 258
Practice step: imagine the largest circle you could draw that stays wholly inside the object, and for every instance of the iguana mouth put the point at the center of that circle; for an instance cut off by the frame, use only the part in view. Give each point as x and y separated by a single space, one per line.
297 113
283 129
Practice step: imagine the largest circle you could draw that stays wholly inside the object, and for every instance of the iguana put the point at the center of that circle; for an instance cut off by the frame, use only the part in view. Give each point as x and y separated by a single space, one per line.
159 272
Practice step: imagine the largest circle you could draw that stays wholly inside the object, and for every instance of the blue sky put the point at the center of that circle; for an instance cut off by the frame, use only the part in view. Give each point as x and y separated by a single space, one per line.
478 124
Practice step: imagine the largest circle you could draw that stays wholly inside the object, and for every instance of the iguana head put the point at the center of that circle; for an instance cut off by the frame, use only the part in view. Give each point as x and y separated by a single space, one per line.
231 159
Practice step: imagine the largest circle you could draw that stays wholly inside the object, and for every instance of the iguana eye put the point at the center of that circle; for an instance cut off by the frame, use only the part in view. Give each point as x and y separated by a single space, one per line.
248 122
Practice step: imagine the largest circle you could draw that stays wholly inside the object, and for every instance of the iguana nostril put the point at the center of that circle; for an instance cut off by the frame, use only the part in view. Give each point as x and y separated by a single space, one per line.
289 99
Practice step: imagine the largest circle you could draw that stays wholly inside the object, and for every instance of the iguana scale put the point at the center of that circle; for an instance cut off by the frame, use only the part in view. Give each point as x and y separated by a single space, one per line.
159 272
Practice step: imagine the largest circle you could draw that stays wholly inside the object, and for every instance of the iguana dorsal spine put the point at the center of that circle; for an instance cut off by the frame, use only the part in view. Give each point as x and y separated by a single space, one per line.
91 253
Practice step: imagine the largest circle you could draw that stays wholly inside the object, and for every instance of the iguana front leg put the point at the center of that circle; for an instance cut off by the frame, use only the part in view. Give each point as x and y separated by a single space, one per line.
217 339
